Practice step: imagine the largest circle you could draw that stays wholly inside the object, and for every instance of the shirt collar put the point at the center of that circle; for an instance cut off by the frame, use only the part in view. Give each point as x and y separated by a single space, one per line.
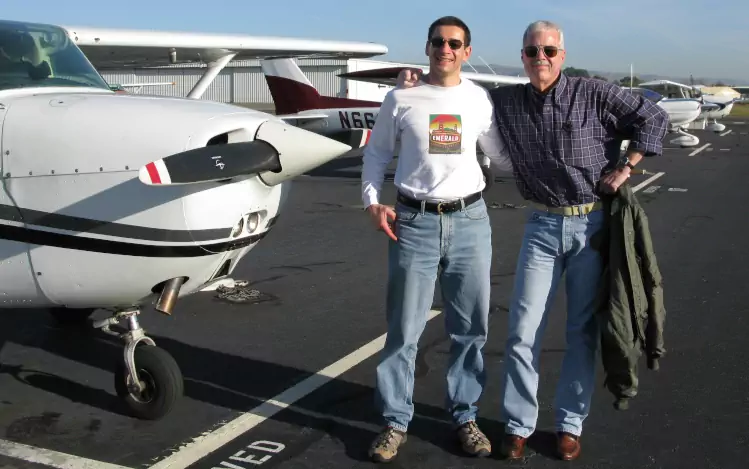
556 90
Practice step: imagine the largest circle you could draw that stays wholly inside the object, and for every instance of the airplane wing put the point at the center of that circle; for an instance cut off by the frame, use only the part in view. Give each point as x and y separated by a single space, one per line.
389 76
118 48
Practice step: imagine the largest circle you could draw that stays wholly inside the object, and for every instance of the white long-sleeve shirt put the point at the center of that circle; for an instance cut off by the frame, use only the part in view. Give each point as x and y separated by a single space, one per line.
438 128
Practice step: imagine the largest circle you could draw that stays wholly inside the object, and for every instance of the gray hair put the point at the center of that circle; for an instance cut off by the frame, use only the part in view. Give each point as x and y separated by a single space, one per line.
543 25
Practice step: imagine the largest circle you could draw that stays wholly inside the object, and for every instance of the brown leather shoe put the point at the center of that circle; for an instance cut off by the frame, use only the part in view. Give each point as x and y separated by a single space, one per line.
568 446
513 446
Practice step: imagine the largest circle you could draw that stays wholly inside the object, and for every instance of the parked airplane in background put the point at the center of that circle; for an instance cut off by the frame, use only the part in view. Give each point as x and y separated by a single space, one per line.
681 112
298 102
723 103
117 201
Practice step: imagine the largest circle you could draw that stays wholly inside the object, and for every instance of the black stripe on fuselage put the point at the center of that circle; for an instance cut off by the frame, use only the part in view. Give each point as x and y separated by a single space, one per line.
122 248
106 228
35 236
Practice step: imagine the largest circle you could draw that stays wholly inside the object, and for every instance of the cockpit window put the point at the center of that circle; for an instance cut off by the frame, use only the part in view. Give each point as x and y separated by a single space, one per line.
34 55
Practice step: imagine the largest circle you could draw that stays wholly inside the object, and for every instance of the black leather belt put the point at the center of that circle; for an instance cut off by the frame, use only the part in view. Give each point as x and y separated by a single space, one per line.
439 207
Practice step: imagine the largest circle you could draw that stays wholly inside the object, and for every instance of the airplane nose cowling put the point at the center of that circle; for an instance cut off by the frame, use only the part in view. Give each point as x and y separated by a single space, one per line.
299 150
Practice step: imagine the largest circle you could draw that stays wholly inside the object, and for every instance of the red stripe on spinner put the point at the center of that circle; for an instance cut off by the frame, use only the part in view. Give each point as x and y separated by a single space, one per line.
154 173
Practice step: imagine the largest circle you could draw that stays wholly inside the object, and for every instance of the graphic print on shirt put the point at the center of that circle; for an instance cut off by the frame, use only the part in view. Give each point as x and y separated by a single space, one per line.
445 132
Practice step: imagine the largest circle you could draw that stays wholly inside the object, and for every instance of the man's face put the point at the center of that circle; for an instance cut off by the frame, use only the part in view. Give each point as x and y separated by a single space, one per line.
539 66
446 50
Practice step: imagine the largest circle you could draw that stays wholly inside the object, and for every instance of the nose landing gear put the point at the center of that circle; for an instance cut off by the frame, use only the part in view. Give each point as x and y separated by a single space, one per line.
148 379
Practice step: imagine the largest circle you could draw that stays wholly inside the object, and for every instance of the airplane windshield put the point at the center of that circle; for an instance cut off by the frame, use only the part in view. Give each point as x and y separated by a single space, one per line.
36 55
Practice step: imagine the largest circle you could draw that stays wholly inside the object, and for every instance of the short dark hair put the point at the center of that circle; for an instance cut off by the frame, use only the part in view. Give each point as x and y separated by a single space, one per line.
451 21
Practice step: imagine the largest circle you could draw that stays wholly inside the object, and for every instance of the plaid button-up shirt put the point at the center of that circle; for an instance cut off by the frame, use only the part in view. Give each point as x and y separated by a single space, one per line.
561 141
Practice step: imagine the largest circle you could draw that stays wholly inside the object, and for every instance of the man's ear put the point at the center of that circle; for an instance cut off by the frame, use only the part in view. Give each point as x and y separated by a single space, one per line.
469 50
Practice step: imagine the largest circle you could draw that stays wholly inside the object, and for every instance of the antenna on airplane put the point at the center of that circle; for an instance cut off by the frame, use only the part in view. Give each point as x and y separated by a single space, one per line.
631 75
487 65
472 67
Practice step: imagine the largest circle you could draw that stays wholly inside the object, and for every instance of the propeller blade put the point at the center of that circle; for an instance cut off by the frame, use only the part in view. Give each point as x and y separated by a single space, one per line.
212 163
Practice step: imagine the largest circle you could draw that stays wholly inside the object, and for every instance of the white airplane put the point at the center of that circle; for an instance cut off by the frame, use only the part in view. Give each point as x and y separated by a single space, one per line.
721 105
119 201
298 102
681 112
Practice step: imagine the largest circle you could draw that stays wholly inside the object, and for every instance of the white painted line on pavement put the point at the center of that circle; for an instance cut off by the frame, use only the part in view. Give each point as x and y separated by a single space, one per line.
699 149
726 133
647 181
51 458
208 443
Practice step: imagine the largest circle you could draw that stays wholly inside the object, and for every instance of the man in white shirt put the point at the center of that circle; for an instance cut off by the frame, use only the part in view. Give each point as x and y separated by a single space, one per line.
439 226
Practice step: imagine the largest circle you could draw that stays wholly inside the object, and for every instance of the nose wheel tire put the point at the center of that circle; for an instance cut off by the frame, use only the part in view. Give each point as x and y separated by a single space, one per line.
161 383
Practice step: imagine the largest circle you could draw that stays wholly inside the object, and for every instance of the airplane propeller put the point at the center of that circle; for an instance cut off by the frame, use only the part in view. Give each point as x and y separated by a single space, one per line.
278 153
212 163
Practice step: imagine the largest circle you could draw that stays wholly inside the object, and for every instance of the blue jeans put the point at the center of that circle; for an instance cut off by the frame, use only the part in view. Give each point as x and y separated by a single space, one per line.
457 247
552 245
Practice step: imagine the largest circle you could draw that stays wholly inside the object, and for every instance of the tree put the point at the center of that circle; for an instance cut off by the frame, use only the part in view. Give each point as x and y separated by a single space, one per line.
576 72
624 82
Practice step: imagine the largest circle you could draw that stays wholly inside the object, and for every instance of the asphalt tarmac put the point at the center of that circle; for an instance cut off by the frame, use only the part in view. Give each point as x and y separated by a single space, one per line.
284 378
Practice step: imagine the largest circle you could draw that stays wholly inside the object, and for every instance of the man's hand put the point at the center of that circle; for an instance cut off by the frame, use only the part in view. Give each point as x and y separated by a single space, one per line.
409 77
383 217
611 181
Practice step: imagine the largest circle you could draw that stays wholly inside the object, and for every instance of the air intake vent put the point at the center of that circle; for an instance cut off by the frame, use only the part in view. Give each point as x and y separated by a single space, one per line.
218 139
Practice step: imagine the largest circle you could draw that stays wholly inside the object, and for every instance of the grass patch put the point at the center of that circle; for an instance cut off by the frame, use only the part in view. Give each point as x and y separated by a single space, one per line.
740 110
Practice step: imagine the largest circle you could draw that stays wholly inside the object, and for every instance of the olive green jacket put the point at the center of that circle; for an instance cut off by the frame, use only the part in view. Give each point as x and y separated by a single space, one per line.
630 307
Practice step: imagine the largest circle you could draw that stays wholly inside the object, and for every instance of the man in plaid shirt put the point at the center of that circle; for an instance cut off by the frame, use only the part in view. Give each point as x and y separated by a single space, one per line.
564 136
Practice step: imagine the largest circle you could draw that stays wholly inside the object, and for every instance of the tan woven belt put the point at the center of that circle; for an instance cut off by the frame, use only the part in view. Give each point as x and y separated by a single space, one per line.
572 210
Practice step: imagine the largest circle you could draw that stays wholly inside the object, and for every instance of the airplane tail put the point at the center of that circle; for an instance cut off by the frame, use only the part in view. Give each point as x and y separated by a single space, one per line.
292 92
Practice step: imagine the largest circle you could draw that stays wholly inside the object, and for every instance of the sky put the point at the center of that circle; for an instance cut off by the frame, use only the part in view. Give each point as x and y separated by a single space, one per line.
666 37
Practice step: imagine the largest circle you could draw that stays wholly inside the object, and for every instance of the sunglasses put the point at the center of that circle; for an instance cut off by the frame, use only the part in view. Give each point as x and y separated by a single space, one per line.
549 51
454 44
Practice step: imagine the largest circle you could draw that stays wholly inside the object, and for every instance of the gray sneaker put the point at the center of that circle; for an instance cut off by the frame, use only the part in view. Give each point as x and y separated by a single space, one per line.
385 447
473 440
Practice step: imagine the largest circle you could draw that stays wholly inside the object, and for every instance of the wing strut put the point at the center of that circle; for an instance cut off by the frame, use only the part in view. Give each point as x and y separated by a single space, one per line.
210 74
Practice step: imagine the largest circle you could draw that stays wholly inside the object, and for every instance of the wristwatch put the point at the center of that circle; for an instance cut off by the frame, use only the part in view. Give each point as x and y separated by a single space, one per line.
624 161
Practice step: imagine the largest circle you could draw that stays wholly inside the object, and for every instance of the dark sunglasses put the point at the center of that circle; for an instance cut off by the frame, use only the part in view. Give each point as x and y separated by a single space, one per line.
454 44
549 51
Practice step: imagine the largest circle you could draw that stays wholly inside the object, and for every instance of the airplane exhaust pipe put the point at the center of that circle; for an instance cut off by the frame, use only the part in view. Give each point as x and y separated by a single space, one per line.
169 295
299 150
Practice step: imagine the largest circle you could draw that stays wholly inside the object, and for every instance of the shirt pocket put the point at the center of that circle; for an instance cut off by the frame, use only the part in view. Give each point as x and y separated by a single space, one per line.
581 140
